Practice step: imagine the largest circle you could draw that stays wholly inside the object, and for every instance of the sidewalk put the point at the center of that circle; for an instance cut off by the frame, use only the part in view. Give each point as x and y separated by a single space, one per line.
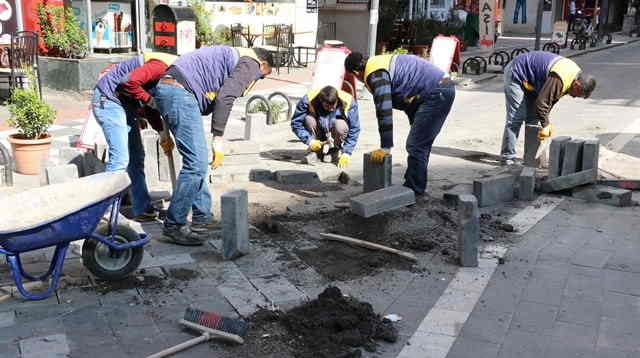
570 288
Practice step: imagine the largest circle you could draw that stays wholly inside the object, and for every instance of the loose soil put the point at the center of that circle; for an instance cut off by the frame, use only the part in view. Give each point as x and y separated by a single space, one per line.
427 226
331 326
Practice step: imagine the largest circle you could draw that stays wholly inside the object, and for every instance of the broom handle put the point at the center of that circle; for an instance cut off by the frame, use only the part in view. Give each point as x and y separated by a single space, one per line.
181 346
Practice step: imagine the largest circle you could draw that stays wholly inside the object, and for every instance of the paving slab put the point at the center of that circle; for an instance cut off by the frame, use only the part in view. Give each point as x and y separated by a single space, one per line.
240 293
279 291
381 200
568 181
572 161
494 190
44 347
7 319
604 195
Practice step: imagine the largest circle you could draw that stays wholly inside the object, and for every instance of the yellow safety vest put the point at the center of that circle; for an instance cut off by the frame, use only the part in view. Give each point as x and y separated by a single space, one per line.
375 63
567 70
343 96
164 57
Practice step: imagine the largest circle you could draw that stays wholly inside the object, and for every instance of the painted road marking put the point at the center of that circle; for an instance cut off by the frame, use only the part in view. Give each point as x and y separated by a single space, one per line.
533 213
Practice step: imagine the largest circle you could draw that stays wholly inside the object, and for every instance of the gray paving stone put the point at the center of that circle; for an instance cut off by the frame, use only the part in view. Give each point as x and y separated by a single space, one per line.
572 161
604 352
61 173
296 177
452 195
591 258
527 184
376 176
163 164
73 156
531 144
523 344
557 253
590 154
167 260
279 291
587 287
48 346
583 311
568 181
622 184
311 158
235 224
7 319
622 282
575 334
240 293
255 125
618 334
487 326
534 317
381 200
544 292
470 348
468 230
621 306
9 350
603 195
150 145
622 262
494 190
260 175
556 155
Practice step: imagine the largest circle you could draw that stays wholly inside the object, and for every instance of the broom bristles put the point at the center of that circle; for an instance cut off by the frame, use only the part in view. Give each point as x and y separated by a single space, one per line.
216 321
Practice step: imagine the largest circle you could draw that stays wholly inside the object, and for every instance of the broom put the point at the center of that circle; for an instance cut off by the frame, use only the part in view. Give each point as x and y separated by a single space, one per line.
211 325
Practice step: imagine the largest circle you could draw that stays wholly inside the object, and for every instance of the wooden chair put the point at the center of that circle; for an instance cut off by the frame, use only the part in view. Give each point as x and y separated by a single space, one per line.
278 39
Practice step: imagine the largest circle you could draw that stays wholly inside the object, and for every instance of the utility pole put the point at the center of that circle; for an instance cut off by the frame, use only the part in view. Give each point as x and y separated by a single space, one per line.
373 26
539 24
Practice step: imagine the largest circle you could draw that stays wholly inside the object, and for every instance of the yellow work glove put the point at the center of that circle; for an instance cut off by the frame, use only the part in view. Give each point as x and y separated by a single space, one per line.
378 155
343 162
315 145
166 142
218 152
546 132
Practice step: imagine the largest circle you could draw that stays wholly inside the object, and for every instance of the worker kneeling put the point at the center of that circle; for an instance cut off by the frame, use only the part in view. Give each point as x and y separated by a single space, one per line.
328 116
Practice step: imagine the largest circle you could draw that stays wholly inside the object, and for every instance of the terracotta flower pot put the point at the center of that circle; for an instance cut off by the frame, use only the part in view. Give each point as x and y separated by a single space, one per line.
29 153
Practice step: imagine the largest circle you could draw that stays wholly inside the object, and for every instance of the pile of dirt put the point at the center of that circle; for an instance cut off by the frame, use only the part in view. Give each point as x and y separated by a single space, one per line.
331 326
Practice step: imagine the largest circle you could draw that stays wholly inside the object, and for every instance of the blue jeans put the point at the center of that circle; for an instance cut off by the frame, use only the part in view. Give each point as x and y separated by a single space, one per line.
427 122
519 106
125 146
521 5
181 111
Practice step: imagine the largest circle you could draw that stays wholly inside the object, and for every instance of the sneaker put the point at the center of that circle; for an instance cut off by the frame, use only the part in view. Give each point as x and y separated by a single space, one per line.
212 225
507 162
182 235
148 215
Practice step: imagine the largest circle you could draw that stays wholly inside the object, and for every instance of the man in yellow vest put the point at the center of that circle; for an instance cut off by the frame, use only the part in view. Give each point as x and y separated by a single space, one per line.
202 82
413 85
325 113
533 83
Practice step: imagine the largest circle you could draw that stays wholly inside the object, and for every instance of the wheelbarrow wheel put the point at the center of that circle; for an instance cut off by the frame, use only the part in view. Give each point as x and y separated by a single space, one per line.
107 263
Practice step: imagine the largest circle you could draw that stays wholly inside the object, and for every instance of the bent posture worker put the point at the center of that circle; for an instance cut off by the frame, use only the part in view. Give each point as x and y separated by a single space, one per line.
533 83
201 82
413 85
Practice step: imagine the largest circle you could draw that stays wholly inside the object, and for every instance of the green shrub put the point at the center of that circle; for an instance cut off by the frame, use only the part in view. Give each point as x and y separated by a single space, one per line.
29 114
398 51
61 32
205 35
277 109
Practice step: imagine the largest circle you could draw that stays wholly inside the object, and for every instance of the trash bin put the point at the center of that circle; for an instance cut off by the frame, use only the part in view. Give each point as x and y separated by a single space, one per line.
174 29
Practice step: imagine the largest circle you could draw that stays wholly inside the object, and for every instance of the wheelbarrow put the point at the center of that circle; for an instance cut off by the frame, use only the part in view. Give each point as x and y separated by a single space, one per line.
56 215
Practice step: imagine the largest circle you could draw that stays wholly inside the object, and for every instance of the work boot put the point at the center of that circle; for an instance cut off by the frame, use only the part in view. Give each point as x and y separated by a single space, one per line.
148 215
182 235
212 225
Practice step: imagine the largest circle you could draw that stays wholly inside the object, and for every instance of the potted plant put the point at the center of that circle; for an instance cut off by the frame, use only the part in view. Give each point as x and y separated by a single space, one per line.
32 117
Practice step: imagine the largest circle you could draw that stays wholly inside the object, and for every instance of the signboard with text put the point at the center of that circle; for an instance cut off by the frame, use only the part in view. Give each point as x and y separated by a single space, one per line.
487 24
